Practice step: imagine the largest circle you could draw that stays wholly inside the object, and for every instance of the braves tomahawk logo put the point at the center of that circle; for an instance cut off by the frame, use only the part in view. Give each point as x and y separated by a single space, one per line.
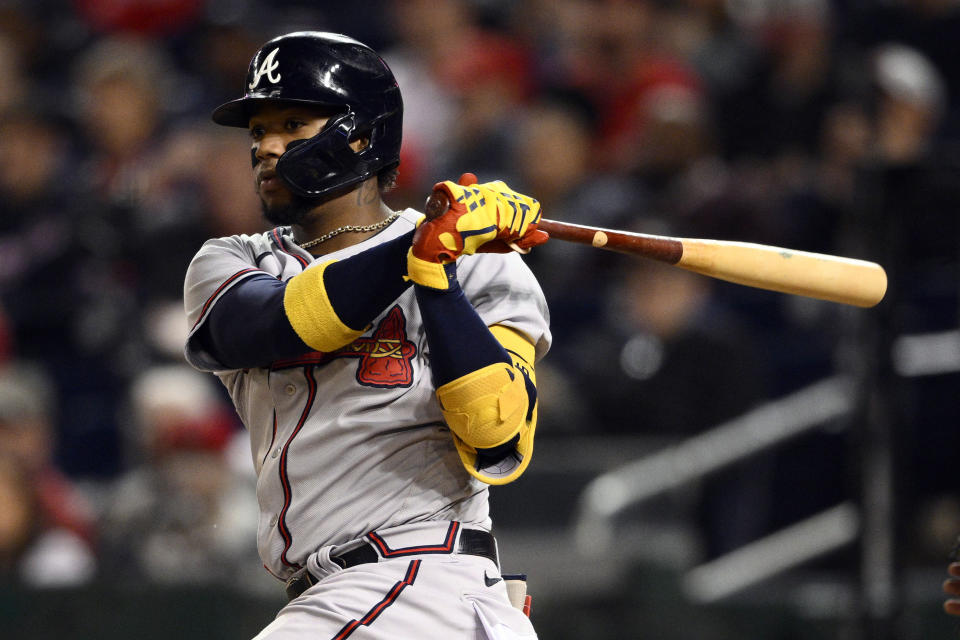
267 68
386 357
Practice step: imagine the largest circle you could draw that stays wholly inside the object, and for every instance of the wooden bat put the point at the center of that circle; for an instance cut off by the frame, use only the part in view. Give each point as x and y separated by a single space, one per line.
815 275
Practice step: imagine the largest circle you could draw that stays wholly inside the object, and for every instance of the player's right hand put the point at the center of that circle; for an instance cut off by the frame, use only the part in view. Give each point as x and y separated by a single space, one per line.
482 213
489 217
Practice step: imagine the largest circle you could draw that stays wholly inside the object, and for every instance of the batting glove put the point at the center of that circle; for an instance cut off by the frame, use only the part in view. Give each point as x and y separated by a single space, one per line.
488 217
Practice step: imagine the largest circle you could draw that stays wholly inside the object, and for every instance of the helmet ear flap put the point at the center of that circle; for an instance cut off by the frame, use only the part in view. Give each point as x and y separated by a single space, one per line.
324 163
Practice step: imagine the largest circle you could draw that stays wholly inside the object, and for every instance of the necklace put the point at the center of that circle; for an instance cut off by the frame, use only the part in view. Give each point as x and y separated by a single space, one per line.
349 227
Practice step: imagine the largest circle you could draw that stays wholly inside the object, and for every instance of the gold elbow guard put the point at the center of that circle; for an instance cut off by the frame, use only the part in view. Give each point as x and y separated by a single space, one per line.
311 315
485 409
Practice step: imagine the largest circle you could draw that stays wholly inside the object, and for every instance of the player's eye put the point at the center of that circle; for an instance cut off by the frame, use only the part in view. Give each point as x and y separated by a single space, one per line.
294 124
256 132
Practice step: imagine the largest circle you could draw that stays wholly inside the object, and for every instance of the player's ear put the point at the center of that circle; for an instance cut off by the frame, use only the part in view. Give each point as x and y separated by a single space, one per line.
360 144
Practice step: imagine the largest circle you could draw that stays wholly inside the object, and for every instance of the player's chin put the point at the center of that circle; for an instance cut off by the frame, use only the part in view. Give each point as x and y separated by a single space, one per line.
285 211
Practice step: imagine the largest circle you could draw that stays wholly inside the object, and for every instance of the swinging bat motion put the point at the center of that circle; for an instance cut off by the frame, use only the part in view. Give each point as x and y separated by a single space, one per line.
815 275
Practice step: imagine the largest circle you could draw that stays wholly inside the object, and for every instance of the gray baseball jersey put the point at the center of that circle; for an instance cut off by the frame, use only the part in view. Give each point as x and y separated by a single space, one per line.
353 441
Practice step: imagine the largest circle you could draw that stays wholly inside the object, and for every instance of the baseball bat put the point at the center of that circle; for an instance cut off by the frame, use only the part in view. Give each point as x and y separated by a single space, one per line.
837 279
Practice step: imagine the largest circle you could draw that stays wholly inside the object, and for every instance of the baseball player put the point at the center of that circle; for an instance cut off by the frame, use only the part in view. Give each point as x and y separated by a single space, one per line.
383 367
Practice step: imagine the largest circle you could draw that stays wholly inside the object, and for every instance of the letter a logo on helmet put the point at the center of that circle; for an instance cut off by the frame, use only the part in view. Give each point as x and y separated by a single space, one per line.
267 67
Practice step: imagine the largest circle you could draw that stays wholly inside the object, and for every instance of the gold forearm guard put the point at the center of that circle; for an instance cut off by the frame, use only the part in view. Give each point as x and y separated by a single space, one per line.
487 407
311 315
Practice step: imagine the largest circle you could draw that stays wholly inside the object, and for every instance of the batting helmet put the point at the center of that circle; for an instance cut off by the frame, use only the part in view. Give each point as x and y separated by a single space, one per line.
333 71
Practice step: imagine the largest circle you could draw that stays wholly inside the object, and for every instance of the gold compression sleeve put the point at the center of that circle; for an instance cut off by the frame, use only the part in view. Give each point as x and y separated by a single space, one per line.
310 313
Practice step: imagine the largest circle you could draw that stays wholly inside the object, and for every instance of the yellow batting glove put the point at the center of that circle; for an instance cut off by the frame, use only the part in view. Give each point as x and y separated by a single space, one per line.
489 211
481 217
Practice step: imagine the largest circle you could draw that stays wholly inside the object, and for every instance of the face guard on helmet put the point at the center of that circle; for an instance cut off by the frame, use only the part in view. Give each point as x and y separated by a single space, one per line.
334 72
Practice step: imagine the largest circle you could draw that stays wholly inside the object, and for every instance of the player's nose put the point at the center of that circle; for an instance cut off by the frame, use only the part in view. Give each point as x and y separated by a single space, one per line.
270 146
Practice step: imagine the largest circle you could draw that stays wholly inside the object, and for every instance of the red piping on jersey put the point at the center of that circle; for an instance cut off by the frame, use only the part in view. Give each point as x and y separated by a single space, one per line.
283 247
387 552
311 357
284 480
378 608
223 285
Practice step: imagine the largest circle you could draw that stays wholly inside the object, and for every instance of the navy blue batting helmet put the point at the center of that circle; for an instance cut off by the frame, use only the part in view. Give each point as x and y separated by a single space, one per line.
336 72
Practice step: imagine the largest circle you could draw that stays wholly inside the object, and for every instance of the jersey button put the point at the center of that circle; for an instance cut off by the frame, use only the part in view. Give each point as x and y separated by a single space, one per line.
273 521
276 452
290 389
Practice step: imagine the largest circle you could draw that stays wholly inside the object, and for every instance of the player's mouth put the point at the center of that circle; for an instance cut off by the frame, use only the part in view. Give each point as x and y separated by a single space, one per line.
268 180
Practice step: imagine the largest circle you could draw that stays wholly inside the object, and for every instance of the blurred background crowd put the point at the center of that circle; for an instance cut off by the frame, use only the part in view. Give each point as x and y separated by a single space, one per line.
822 125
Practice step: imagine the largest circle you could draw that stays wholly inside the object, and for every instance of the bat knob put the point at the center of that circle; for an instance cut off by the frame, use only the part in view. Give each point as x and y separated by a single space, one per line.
436 205
438 202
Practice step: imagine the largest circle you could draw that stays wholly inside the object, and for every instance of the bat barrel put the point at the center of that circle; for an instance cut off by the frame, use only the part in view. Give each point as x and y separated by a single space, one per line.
845 280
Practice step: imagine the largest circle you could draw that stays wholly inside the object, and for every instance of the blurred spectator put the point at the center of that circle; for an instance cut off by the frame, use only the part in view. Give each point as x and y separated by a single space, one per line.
184 512
427 35
48 529
156 18
669 361
668 358
782 112
905 209
127 204
927 26
13 85
609 51
491 79
45 285
463 85
554 152
911 103
38 249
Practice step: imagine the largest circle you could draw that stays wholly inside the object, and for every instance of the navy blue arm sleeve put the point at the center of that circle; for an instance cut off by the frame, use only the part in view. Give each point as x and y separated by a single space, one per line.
459 340
248 326
362 286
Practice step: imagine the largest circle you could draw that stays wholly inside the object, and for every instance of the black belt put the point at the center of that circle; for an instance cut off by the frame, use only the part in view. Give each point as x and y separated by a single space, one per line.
472 542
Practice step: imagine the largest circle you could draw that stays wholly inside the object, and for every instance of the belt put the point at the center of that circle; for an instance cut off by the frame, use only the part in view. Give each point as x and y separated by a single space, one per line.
472 542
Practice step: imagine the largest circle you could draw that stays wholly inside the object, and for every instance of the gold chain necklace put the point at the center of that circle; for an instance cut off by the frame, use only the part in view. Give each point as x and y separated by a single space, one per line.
349 227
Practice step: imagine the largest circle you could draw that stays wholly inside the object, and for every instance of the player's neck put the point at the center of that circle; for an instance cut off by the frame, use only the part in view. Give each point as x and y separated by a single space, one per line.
360 207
